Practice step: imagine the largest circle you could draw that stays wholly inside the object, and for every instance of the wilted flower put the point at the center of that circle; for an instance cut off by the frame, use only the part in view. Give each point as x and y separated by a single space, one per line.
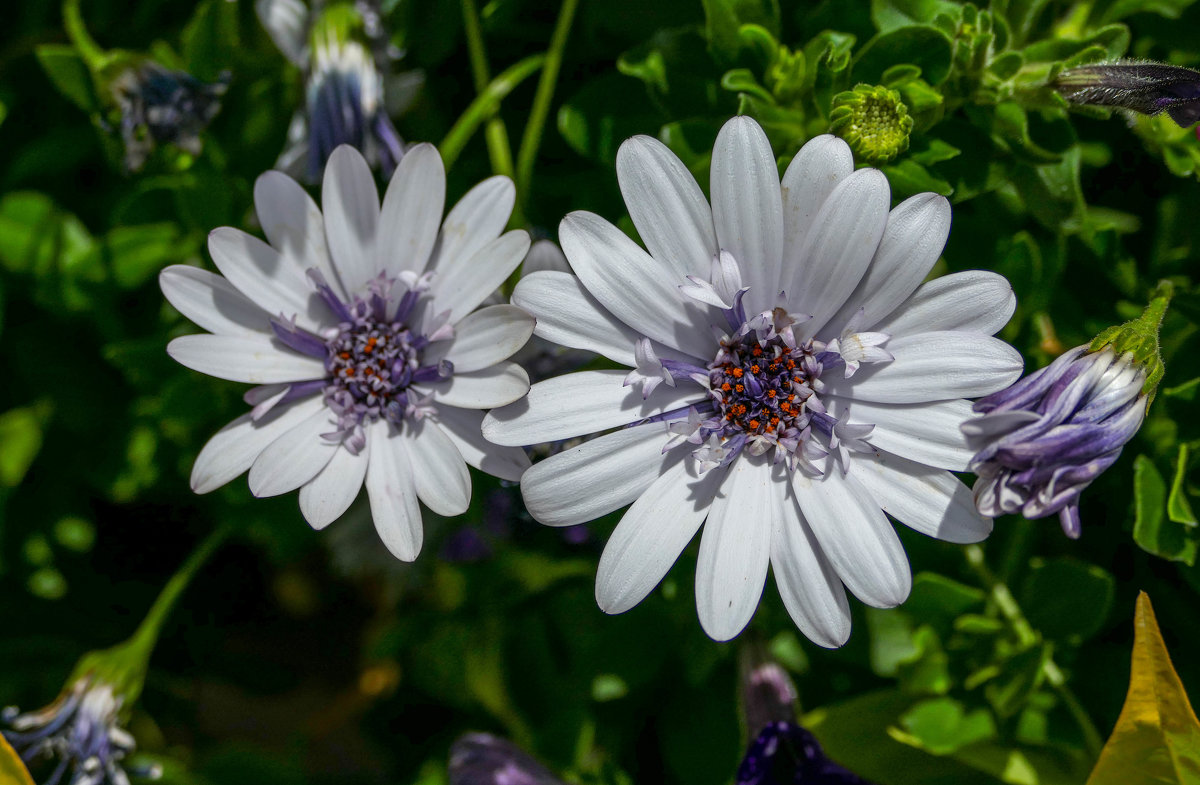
161 106
361 328
1143 87
82 730
1042 441
345 56
791 380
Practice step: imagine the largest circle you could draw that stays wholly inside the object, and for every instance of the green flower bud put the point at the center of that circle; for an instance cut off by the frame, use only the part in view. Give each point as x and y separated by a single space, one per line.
873 121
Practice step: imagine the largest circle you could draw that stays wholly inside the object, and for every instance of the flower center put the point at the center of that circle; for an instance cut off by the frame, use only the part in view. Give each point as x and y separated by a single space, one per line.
761 385
373 357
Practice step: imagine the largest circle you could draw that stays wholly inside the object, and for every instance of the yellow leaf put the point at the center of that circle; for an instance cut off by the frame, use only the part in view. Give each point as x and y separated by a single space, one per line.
1157 737
12 771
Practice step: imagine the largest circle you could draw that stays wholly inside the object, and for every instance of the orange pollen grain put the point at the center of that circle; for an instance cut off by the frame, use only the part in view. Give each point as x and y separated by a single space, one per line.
737 373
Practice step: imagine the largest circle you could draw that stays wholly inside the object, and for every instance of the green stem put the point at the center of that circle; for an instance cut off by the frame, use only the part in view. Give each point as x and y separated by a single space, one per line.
1004 601
77 31
484 106
124 666
532 138
495 132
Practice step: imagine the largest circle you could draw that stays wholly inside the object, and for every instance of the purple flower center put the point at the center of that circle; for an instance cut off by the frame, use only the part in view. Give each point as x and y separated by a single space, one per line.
373 357
761 386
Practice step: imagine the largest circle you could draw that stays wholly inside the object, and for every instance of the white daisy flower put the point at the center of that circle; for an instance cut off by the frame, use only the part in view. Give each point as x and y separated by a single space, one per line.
790 455
360 328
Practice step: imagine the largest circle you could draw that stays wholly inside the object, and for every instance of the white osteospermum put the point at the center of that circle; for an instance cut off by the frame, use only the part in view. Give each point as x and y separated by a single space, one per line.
361 328
769 435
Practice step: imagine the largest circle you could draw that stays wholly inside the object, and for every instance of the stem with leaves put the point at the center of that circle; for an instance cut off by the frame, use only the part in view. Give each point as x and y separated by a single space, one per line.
1006 603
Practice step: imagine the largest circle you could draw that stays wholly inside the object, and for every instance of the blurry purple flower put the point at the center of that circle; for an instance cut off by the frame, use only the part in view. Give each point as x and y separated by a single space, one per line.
483 759
83 731
784 753
345 54
161 106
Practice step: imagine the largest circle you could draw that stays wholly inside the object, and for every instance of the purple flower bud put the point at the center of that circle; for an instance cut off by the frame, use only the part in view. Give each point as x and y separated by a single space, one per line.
1146 88
786 754
483 759
1043 440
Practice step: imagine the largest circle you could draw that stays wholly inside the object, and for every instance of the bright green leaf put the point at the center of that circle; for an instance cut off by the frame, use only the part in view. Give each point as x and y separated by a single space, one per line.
21 432
1157 737
1152 530
70 75
943 726
1179 509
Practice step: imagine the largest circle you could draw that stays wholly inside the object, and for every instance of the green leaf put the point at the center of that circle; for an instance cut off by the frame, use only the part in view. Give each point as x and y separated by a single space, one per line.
890 14
742 80
1152 530
724 19
932 151
925 47
138 253
1184 392
210 40
1067 599
942 726
1179 509
70 75
1157 736
12 771
1021 676
1171 9
907 177
21 434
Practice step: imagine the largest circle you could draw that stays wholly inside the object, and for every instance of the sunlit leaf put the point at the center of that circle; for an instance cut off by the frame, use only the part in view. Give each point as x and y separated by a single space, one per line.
1157 736
1179 509
1152 529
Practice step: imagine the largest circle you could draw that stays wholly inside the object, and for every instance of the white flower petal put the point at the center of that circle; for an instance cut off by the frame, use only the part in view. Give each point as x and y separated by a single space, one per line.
212 302
439 473
295 457
485 337
232 449
975 301
856 537
640 291
601 475
274 283
567 315
412 210
286 21
463 427
928 433
463 283
478 219
579 403
735 548
293 225
393 494
810 178
931 501
808 584
667 206
498 385
544 256
252 359
935 366
351 205
651 535
912 242
837 249
747 208
327 496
